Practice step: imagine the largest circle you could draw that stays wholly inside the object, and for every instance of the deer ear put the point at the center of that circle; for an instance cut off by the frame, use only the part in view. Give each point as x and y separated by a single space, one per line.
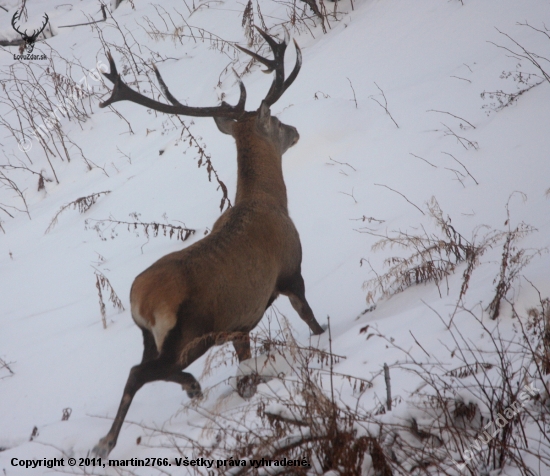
225 125
264 115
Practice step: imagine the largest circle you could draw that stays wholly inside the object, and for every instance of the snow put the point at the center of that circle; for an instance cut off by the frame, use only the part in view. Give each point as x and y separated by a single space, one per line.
426 56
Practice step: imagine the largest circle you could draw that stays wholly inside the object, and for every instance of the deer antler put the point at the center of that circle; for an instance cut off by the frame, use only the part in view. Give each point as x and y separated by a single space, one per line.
279 85
123 92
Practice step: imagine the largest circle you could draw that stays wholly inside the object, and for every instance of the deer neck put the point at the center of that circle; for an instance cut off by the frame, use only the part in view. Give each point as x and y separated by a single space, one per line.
260 174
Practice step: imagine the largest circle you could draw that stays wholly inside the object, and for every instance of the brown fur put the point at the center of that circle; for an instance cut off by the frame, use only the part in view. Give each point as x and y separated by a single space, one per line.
229 277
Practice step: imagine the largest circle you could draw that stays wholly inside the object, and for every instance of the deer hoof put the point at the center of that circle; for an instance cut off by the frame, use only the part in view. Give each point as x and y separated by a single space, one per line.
103 447
248 384
319 329
194 390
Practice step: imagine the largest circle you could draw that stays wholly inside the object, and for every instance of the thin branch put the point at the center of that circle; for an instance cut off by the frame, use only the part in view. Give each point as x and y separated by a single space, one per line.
90 22
458 175
463 141
531 57
463 166
385 106
418 344
418 157
458 117
463 79
399 193
354 98
341 163
349 195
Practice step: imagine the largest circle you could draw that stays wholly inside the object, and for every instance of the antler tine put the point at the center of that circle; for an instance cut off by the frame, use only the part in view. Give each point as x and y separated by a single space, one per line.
122 92
287 35
266 62
296 69
175 102
277 48
279 85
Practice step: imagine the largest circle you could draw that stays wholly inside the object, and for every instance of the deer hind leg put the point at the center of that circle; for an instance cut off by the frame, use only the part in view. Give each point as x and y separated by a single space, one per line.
166 365
296 291
187 382
150 351
140 375
157 369
246 384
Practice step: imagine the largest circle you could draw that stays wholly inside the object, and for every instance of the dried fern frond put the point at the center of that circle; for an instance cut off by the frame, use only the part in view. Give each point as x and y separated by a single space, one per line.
513 260
83 204
153 229
468 370
102 283
434 256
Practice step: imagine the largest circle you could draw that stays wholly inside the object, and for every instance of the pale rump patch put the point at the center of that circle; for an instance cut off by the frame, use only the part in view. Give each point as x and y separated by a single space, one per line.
139 319
159 323
164 322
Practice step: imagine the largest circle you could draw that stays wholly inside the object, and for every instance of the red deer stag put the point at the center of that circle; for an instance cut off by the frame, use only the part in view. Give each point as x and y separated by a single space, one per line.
218 289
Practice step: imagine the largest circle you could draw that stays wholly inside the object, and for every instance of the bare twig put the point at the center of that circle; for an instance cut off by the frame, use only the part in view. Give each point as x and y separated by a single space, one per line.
367 219
90 22
533 58
385 105
354 98
459 175
341 163
349 195
418 343
463 79
463 166
466 143
5 365
418 157
457 117
399 193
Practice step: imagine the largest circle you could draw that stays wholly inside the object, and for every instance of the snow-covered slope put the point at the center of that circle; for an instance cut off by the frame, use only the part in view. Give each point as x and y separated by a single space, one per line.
431 60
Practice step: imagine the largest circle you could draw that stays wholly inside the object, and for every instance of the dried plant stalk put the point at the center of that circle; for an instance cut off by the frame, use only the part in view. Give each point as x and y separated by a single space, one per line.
102 283
83 204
